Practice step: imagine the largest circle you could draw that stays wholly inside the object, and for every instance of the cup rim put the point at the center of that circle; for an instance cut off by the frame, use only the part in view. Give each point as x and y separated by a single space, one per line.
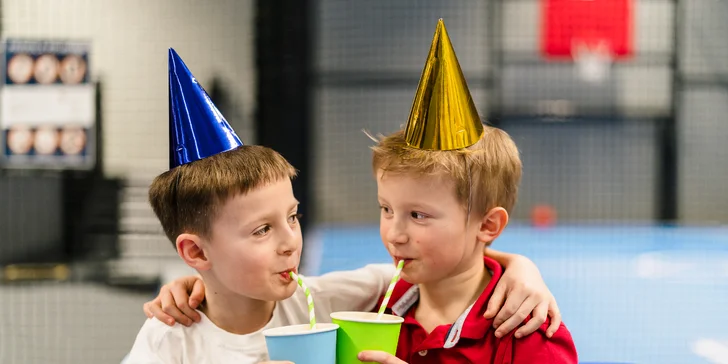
320 327
386 318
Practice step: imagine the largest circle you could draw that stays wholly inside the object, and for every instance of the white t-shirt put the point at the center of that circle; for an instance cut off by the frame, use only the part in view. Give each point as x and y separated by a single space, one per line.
204 342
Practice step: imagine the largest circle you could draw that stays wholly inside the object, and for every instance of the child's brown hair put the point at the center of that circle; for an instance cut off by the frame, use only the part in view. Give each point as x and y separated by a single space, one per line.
486 174
187 198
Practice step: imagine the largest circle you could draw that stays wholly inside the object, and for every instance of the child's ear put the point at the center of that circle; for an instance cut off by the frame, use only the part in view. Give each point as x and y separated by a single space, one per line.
189 248
492 224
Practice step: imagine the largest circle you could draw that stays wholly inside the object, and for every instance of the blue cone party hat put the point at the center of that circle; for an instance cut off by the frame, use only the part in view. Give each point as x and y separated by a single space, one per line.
197 129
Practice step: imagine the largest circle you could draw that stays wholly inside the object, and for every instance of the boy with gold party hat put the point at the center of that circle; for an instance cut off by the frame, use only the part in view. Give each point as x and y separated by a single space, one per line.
446 185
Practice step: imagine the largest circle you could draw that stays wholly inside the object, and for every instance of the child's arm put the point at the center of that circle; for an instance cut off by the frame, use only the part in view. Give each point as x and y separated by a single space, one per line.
521 287
525 293
355 290
519 293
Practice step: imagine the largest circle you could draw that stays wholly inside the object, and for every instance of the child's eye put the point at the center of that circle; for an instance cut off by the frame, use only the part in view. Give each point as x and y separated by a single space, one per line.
417 215
384 209
294 218
262 231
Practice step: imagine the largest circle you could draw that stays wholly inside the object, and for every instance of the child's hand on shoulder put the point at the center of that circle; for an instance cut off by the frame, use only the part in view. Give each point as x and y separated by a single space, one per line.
520 292
177 301
379 357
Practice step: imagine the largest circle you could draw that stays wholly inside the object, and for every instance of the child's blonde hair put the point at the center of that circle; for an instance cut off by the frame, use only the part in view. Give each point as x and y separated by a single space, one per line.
486 174
187 198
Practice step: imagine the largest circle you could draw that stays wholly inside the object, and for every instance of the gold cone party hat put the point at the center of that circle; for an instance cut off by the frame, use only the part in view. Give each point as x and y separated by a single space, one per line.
443 115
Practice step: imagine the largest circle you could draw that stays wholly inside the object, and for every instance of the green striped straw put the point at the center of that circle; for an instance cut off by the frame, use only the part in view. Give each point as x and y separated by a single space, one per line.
387 295
309 300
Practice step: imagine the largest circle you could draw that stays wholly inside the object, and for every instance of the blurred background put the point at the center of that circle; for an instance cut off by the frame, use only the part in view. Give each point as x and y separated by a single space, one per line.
618 107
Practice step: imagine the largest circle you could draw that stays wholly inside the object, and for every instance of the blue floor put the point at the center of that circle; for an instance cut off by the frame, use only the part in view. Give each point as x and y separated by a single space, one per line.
628 294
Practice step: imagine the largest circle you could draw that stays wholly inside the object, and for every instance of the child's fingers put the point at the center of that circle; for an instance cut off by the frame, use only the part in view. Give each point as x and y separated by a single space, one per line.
155 308
496 301
147 308
537 319
181 299
169 306
379 357
510 307
516 319
198 293
555 314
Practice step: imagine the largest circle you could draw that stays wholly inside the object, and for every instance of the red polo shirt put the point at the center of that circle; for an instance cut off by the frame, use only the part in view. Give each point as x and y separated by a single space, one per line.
471 339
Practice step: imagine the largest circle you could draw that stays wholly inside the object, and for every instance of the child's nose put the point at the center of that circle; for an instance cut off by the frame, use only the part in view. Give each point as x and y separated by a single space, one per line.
397 234
289 242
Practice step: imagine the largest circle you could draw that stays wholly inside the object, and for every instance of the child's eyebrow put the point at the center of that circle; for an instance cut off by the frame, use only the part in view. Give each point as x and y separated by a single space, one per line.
421 206
417 205
269 216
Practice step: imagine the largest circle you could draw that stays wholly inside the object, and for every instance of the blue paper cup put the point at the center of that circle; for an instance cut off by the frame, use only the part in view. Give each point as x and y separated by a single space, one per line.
301 345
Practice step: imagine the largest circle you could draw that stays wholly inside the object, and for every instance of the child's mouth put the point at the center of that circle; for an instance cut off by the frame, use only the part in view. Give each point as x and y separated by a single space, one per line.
286 274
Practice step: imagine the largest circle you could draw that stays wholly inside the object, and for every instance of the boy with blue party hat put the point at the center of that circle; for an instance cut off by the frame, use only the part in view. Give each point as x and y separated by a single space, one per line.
230 212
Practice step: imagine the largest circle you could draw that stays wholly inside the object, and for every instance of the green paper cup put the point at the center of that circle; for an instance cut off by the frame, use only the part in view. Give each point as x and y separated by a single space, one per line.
359 331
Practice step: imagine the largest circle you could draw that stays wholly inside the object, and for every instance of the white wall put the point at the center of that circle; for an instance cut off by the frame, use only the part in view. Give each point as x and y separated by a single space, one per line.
130 40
